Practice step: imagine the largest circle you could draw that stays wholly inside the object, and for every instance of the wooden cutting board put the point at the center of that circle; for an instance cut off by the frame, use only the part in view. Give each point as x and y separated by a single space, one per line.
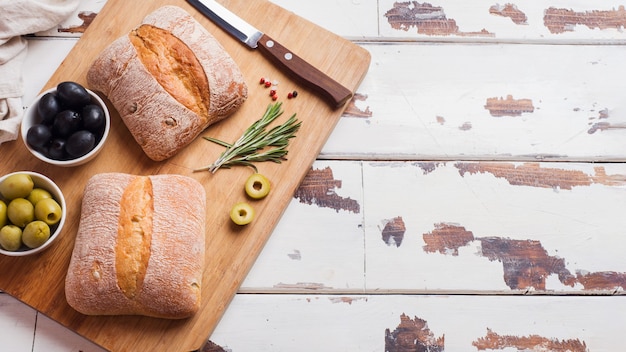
231 251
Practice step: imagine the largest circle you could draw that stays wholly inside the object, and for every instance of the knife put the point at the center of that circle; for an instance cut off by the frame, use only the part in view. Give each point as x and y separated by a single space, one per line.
332 91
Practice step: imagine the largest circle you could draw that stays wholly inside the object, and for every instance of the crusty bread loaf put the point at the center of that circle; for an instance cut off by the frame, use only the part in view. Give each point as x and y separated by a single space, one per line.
169 79
139 248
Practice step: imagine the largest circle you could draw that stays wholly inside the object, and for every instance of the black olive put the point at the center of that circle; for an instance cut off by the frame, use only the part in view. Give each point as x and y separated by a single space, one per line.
93 118
80 143
48 107
73 95
38 136
65 123
56 150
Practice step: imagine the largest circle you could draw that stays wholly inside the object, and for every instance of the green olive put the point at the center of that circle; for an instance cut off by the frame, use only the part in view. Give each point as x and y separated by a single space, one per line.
16 186
257 186
3 214
20 212
11 237
38 194
48 211
242 213
35 234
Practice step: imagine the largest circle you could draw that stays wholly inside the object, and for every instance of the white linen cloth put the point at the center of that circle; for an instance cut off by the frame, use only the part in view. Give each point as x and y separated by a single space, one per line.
18 18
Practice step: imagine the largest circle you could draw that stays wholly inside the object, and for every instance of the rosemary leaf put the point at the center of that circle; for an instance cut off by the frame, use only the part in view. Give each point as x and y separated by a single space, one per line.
217 141
257 144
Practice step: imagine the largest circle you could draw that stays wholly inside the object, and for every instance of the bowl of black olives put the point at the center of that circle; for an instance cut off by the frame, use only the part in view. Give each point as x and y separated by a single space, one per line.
66 125
32 213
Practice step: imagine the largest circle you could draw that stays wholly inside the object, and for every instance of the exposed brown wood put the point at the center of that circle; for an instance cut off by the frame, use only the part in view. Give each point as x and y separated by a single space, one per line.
526 264
533 175
413 335
559 20
353 111
607 280
428 19
605 126
493 342
318 187
86 17
511 11
210 346
509 106
447 237
393 232
348 300
302 285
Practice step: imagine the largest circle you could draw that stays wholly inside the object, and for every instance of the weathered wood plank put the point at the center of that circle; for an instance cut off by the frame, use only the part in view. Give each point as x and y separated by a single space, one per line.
462 227
17 323
486 102
546 21
513 21
374 322
421 323
509 227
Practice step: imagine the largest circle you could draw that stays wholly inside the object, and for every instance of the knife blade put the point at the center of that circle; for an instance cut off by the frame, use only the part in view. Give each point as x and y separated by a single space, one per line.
329 89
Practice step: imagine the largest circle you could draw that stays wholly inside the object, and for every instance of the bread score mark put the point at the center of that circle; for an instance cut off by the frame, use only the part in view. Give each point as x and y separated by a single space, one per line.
174 65
134 236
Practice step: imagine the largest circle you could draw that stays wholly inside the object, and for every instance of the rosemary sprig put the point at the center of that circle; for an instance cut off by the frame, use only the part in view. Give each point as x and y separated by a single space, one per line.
257 144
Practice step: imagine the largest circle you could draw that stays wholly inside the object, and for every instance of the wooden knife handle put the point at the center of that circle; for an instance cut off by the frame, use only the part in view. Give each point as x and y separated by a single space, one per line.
333 92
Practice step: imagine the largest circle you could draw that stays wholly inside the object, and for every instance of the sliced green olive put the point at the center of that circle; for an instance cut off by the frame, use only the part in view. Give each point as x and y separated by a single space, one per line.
242 213
257 186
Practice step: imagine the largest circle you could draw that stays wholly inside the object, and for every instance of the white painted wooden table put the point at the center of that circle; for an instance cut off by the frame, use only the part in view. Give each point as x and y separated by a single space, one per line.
472 198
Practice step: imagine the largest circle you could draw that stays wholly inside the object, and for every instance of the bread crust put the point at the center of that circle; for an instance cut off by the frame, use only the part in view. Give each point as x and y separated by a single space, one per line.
160 123
166 283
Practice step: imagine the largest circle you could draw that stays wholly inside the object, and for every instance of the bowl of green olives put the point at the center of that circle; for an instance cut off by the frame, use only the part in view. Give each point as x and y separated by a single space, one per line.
32 213
66 125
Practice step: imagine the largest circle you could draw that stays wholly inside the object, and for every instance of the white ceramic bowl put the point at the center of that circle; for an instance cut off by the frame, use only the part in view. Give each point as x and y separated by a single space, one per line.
44 182
31 118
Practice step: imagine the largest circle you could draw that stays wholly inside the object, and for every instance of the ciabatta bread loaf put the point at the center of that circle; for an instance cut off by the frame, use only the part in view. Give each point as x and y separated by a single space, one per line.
139 248
169 79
